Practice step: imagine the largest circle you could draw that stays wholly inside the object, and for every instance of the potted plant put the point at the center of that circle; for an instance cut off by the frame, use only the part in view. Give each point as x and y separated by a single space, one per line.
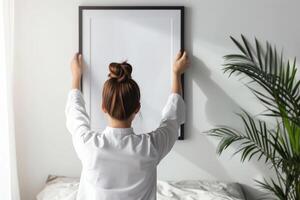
274 83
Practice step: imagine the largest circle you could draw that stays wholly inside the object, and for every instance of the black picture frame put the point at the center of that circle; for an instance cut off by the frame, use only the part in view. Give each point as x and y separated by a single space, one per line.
180 8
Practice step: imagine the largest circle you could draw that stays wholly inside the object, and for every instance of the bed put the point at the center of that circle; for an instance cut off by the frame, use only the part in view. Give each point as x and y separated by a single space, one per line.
65 188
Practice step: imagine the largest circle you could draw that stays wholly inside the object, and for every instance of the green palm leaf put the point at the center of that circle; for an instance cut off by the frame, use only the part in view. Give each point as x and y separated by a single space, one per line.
280 94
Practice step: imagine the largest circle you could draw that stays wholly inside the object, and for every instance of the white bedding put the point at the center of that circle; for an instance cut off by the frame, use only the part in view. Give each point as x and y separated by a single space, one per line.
65 188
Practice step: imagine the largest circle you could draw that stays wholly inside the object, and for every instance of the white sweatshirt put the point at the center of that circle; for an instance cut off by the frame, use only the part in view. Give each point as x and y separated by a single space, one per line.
118 164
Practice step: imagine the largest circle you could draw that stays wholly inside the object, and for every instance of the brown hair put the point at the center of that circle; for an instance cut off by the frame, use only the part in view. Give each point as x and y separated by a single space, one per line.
121 94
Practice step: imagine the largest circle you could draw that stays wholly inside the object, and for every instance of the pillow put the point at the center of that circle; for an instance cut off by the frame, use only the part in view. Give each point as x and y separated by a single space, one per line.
65 188
59 188
196 189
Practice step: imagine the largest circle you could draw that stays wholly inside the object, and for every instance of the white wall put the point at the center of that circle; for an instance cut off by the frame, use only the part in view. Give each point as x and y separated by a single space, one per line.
47 36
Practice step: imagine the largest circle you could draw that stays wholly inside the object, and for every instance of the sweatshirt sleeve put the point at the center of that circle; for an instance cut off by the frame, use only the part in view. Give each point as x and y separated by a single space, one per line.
78 121
77 118
173 115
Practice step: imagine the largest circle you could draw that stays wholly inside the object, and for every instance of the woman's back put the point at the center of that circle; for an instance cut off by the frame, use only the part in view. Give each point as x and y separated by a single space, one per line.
120 165
117 164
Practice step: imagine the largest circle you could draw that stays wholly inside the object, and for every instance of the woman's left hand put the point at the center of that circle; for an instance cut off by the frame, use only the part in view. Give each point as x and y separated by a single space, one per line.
77 69
76 66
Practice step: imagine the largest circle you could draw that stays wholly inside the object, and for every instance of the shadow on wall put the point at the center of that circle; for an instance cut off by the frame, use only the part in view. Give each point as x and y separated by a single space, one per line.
200 74
209 163
218 105
219 109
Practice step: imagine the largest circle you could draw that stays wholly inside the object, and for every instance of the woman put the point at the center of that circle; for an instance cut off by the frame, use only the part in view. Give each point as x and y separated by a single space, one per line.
117 164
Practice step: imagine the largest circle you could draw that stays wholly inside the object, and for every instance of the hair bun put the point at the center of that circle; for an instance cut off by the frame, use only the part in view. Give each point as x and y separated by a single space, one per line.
120 71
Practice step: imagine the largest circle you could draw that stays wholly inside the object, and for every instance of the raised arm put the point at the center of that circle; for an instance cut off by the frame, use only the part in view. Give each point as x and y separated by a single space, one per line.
173 114
77 119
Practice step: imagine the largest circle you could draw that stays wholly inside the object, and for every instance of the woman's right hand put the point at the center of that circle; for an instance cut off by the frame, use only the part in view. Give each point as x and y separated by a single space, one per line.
181 63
